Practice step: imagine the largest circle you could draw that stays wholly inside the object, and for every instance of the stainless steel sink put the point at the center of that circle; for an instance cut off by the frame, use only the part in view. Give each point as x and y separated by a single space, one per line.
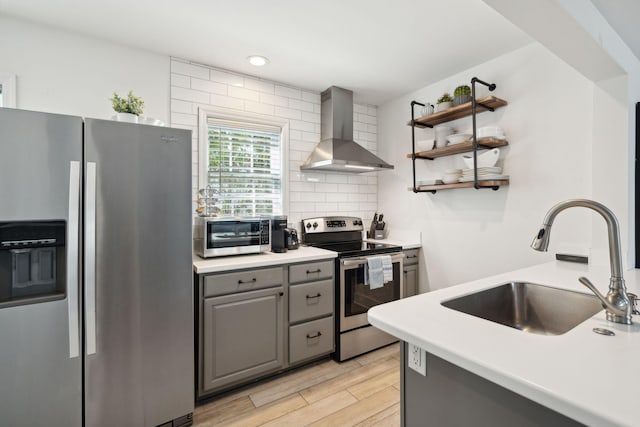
533 308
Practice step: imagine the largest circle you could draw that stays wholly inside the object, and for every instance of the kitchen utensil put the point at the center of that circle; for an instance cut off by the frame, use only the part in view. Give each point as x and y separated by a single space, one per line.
487 159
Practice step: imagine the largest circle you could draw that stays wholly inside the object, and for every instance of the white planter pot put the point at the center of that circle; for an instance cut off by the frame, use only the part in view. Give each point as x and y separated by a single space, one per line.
443 106
126 117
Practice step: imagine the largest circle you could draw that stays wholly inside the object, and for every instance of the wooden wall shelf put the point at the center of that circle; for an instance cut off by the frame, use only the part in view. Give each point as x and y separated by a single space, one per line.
459 111
463 147
483 184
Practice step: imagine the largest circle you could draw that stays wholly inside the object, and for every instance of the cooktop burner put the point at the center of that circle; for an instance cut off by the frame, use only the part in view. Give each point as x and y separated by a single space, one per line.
360 248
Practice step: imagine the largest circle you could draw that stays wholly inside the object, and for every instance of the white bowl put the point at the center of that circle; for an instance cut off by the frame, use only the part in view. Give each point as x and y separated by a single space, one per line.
450 179
487 159
490 132
459 138
424 145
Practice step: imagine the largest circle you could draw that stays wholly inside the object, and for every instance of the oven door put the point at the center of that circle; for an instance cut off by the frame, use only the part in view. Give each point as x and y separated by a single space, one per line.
356 298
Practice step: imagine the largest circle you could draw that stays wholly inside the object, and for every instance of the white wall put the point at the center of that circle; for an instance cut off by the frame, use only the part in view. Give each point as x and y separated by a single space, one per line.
468 234
67 73
310 193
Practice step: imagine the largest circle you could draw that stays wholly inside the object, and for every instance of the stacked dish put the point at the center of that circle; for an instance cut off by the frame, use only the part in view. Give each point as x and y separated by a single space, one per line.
452 175
484 174
490 132
458 138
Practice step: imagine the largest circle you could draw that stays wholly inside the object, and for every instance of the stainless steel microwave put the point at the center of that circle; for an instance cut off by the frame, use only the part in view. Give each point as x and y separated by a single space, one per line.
231 236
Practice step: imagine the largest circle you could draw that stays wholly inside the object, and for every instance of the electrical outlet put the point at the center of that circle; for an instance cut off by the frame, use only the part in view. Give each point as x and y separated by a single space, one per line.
417 359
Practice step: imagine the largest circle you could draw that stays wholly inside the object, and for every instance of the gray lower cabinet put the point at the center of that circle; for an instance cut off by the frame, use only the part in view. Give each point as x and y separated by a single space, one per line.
311 311
242 334
410 272
449 396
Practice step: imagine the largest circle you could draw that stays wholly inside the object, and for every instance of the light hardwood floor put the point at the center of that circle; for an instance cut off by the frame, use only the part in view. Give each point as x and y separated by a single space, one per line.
364 391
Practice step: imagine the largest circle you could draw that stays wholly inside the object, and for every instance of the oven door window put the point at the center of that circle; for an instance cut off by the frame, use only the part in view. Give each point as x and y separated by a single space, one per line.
229 234
359 298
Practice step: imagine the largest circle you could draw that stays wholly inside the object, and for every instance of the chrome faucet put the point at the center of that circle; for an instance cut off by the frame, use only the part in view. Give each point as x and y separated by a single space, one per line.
617 303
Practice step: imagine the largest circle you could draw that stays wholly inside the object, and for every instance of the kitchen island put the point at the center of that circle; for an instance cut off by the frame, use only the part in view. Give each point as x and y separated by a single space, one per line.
579 375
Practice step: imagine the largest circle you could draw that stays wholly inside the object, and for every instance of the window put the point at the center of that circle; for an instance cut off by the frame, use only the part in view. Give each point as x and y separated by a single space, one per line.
244 163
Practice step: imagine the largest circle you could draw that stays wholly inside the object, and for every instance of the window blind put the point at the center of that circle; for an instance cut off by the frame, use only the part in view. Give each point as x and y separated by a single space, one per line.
245 166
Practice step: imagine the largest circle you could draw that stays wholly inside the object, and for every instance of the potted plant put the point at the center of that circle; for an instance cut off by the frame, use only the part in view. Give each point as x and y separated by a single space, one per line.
461 95
127 108
444 102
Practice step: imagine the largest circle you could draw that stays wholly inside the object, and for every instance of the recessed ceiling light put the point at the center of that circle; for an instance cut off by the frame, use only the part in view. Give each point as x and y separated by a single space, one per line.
258 60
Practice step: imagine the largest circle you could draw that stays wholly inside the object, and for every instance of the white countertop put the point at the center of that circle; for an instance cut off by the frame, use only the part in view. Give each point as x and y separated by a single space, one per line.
406 244
588 377
265 259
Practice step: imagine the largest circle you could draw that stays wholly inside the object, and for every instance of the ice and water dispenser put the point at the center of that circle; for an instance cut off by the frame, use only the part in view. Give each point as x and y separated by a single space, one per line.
32 261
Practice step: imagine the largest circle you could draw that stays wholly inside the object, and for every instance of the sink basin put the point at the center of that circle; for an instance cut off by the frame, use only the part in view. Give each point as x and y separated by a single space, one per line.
530 307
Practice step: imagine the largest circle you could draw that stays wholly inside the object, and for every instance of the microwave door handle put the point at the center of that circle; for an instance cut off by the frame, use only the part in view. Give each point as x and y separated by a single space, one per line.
73 259
90 259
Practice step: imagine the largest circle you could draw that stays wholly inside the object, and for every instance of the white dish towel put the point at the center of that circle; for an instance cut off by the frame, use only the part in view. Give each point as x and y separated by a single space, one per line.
374 273
379 271
387 268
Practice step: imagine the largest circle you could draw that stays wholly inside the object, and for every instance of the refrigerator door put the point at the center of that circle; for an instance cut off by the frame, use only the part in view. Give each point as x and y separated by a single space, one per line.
138 272
40 359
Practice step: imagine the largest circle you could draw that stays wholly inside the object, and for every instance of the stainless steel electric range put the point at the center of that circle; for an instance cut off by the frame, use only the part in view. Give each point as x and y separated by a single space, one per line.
354 297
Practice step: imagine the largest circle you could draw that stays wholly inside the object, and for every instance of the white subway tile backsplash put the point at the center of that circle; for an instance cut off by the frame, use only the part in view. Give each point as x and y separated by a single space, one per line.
311 117
240 92
190 70
226 101
300 125
311 137
310 193
184 119
314 98
256 107
259 85
226 78
189 95
183 106
347 188
323 187
280 101
180 80
301 105
288 113
209 86
288 92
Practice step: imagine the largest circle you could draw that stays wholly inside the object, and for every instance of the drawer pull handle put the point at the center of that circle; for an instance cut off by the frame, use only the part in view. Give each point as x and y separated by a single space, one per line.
313 271
240 282
314 296
314 336
281 294
412 256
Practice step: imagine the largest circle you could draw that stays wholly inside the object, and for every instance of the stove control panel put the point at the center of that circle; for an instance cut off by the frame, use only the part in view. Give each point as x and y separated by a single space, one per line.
332 224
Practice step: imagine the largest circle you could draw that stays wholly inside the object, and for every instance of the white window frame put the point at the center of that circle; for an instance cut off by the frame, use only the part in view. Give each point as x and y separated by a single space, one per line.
8 82
224 114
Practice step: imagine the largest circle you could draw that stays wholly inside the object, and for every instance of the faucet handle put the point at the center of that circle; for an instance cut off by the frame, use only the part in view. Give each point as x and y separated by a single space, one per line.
633 298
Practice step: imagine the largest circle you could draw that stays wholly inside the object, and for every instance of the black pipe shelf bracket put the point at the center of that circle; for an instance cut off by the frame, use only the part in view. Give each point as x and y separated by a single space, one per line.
475 144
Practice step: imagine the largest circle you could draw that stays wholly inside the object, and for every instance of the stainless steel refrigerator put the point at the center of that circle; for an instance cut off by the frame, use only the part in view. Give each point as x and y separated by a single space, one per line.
96 323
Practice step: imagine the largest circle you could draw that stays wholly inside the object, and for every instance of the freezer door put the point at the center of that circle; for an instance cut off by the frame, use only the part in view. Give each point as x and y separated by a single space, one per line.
138 272
40 360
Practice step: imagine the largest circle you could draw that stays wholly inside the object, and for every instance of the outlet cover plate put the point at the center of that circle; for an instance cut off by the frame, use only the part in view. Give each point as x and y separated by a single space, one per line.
417 359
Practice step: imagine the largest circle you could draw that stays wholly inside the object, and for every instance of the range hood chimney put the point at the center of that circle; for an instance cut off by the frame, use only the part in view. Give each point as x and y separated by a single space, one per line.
337 151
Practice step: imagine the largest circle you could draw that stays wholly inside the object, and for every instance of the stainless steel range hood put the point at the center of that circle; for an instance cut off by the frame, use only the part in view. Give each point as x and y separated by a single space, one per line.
337 151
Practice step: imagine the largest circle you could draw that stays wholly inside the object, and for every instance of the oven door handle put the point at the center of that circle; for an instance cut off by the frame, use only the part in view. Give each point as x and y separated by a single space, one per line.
360 261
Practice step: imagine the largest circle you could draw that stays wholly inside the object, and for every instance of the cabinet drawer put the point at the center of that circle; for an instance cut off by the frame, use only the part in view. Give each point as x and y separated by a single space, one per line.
227 283
310 300
411 256
311 339
311 271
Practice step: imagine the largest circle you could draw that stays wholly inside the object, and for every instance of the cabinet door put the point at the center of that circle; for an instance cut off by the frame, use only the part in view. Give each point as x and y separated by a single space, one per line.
410 280
243 336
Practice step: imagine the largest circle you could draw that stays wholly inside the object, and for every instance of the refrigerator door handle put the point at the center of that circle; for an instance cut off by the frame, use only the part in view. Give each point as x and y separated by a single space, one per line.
90 259
73 259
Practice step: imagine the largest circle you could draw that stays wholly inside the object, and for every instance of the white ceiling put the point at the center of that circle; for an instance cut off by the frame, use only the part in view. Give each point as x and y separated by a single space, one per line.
377 48
624 18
